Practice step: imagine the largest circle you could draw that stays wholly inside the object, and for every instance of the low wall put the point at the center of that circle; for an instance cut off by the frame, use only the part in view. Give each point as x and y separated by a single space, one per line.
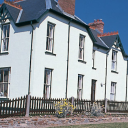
48 122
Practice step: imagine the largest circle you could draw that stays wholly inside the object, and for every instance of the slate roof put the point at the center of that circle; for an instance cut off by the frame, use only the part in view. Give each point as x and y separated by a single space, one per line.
34 9
98 41
109 40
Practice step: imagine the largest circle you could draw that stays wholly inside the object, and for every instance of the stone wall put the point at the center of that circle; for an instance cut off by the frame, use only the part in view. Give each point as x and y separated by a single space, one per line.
49 122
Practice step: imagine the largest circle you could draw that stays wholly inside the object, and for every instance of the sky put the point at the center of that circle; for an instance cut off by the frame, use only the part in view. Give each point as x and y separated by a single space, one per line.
114 14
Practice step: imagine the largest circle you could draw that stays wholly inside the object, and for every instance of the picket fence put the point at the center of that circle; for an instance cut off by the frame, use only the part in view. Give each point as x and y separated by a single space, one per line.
40 106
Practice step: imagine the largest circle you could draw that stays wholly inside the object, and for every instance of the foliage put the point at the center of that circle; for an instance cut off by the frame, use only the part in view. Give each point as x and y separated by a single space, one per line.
64 108
97 110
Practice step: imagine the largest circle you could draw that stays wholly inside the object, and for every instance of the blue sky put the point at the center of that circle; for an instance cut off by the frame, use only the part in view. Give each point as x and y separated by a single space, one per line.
114 14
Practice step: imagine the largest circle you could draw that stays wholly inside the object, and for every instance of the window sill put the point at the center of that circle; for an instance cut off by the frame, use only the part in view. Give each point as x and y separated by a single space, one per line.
50 53
93 68
4 53
114 72
82 61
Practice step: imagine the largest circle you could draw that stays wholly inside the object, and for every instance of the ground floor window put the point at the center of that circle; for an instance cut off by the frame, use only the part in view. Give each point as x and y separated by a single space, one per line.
80 87
4 82
93 90
47 83
113 91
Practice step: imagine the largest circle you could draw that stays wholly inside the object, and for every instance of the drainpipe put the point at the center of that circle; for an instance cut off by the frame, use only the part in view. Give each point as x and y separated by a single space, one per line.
30 59
106 82
126 81
68 57
28 96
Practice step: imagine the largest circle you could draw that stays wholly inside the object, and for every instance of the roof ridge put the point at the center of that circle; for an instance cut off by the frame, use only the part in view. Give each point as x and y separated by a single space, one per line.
13 4
107 34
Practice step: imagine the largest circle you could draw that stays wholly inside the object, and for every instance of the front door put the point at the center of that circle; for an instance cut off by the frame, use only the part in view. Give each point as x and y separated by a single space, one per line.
93 90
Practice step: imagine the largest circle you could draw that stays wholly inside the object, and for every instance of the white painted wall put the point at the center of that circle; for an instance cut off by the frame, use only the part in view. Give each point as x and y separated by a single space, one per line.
120 78
18 59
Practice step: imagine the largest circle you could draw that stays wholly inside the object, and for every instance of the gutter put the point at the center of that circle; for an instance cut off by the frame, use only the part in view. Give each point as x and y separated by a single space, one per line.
68 57
30 59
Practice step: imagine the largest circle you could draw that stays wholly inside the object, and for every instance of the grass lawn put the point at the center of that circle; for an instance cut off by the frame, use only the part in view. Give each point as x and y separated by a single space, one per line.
107 125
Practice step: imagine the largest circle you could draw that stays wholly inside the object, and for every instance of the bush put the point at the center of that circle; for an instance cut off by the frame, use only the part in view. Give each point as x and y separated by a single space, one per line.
97 110
63 108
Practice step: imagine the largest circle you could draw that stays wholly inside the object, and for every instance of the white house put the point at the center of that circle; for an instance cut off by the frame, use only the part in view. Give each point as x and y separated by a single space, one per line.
47 51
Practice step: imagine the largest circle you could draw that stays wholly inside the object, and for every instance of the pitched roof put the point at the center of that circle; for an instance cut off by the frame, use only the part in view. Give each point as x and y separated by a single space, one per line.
98 42
34 9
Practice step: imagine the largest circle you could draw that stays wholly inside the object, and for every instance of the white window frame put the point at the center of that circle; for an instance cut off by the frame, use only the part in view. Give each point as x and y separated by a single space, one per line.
113 91
93 58
80 86
47 83
114 60
81 47
5 38
50 37
4 82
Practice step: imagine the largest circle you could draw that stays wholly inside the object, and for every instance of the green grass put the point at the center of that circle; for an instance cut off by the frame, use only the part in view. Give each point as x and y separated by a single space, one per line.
105 125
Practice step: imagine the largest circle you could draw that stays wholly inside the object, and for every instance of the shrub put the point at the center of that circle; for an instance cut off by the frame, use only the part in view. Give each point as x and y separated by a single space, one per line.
63 108
97 110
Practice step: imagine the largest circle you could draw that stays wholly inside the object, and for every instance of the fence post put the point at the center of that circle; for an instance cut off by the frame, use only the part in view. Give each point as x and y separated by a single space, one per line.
106 105
72 101
27 106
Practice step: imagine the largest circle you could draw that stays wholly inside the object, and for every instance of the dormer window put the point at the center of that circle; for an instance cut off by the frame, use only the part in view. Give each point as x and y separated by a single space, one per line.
5 38
114 60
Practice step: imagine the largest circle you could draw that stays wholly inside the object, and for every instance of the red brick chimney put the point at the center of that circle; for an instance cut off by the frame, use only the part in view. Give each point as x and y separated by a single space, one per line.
68 6
97 24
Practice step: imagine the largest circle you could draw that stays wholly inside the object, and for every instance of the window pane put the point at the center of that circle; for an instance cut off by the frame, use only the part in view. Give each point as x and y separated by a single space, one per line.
5 89
8 29
4 31
48 77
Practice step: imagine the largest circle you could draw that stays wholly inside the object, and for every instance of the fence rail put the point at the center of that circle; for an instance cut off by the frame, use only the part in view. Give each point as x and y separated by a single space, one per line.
116 106
37 106
14 107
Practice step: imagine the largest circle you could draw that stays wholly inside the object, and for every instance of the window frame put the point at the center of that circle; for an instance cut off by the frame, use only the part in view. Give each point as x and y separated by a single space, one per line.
114 61
78 89
113 93
48 36
1 44
93 58
80 47
92 83
8 80
44 92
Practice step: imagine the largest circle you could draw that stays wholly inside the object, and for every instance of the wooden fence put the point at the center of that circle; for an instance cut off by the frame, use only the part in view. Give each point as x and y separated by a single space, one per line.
116 106
14 107
37 106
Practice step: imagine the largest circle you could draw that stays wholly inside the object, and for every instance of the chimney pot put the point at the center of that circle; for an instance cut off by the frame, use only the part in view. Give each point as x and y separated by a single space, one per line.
97 24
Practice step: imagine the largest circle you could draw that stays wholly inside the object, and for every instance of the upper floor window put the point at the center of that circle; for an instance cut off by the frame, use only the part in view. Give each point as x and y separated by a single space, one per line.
5 37
113 91
93 58
4 82
80 87
50 37
81 47
114 60
47 83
